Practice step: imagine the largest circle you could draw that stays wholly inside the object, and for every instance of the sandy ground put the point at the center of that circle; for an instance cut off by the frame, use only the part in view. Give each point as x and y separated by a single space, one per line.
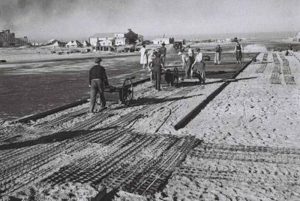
264 120
247 148
239 115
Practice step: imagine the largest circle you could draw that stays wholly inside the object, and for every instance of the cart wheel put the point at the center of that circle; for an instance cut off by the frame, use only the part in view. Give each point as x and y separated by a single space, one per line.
176 76
127 92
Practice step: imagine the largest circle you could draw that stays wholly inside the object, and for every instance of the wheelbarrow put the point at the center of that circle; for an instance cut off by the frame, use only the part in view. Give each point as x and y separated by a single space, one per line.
175 75
172 74
123 94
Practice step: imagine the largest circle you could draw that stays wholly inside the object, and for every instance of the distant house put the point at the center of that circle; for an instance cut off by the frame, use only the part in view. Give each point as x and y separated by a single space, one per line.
109 41
55 43
119 35
97 38
106 42
120 41
73 43
159 41
93 41
35 44
86 44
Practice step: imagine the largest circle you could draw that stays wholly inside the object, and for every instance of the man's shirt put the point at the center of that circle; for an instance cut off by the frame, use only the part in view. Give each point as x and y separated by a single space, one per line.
98 72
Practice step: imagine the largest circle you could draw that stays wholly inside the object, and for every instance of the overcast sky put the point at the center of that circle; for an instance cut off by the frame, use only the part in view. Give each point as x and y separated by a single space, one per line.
46 19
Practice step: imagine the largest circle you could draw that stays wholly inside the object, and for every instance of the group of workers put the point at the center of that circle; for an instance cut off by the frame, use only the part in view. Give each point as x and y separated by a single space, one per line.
193 65
154 60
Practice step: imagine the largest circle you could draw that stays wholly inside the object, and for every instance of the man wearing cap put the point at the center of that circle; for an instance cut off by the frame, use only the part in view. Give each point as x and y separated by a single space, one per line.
156 66
97 80
163 53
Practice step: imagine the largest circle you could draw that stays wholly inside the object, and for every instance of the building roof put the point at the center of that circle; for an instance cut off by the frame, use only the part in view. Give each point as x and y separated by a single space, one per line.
54 42
161 39
74 42
86 43
103 35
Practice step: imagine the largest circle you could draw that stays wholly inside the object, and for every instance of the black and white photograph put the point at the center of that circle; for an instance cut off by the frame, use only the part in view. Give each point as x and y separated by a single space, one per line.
149 100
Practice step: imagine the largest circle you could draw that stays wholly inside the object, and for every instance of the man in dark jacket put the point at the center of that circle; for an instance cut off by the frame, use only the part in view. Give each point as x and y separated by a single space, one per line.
156 66
238 52
98 81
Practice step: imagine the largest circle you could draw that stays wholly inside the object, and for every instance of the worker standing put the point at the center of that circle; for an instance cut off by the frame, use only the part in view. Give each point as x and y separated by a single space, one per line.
238 52
156 66
191 60
163 53
199 67
97 82
184 60
150 57
218 55
144 58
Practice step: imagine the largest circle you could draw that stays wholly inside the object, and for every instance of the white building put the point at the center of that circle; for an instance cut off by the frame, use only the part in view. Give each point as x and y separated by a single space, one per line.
120 41
119 35
55 43
108 42
159 41
74 43
93 41
96 39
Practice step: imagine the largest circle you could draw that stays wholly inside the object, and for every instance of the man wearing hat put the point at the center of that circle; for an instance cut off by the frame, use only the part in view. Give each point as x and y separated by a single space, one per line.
238 52
97 80
163 53
156 66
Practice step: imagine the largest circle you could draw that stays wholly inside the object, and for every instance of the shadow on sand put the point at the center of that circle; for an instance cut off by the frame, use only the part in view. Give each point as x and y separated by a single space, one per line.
55 137
152 101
